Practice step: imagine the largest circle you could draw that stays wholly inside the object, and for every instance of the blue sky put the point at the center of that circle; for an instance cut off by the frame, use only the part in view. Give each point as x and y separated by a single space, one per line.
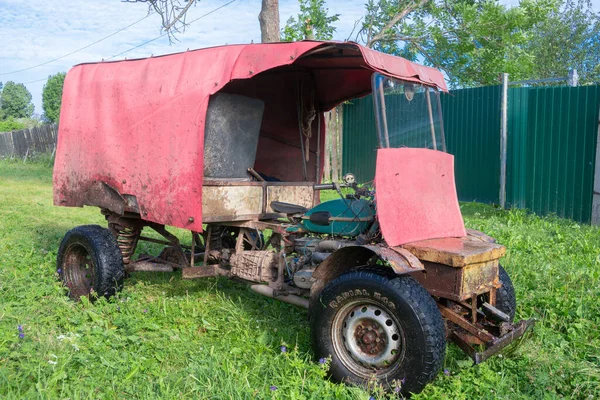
35 31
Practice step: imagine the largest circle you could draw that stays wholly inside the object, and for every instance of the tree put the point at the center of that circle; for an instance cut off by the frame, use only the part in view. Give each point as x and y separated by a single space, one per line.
269 21
52 96
471 40
173 15
15 101
568 39
313 23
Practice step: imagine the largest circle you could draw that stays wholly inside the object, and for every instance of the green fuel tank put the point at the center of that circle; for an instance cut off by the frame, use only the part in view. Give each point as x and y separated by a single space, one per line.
341 217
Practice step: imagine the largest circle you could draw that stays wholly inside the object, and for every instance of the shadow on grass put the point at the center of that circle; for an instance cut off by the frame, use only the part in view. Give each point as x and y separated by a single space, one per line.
291 321
273 313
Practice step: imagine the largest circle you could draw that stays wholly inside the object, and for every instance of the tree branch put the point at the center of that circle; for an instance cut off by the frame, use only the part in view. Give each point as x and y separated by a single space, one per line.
181 14
172 12
353 28
431 60
395 19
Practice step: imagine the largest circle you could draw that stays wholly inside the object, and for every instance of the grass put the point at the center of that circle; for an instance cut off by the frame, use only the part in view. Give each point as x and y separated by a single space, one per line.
163 337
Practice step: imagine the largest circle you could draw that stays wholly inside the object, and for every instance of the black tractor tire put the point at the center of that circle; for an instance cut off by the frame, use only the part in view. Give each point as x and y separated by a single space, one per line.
506 300
89 262
361 315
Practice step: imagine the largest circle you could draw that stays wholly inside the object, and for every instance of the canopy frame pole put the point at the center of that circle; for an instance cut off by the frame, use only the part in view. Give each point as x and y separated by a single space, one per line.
431 126
384 115
441 117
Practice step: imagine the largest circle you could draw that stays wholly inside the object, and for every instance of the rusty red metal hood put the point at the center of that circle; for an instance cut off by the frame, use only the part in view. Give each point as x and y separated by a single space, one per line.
138 125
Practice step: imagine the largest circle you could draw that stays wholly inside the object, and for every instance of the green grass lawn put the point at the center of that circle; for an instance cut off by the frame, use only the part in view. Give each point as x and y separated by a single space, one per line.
163 337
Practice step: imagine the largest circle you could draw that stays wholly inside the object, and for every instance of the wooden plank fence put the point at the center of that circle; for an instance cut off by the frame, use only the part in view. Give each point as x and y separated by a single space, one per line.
40 139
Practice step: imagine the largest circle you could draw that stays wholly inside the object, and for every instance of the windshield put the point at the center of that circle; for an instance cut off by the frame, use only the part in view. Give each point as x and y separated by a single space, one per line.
407 114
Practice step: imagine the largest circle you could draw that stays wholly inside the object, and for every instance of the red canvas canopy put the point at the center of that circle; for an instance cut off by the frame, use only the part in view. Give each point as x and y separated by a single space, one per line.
138 125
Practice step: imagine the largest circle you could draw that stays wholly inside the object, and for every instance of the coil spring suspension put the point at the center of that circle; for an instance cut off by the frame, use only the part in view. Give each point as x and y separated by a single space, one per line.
127 241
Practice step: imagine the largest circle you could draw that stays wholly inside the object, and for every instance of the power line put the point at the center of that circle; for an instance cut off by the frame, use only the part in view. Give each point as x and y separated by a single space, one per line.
37 80
76 51
126 51
166 33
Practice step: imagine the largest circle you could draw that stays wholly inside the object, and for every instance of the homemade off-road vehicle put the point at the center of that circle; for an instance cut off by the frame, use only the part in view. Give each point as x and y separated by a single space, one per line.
227 143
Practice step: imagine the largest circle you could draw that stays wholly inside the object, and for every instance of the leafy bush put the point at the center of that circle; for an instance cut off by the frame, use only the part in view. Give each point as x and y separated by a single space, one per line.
11 124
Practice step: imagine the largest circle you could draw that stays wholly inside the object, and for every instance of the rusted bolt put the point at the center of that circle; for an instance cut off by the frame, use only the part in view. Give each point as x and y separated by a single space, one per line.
145 212
251 72
191 219
292 57
124 181
368 338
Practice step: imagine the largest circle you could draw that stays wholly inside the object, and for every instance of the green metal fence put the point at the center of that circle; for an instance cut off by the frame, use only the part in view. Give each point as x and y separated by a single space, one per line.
359 142
552 135
472 125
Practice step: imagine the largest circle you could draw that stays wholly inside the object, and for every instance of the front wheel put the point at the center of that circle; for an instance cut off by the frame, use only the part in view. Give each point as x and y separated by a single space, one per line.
506 300
379 328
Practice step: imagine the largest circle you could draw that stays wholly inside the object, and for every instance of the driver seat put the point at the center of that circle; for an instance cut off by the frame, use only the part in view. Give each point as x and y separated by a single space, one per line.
287 208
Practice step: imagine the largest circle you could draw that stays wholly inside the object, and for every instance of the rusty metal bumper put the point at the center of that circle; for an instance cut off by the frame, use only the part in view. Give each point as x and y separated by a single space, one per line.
498 344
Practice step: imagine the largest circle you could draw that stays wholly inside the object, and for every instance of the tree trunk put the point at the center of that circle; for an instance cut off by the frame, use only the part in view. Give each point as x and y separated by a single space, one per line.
269 21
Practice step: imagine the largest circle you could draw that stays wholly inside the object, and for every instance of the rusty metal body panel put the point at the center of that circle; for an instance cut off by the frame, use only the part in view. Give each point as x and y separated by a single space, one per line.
401 261
455 252
346 258
458 268
301 195
478 235
232 202
229 201
459 284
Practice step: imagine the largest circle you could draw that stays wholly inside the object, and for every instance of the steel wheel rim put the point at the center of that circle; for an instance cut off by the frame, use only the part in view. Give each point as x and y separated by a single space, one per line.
78 270
368 339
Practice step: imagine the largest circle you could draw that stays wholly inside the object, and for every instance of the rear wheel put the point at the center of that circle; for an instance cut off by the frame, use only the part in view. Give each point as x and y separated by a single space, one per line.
89 261
374 327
